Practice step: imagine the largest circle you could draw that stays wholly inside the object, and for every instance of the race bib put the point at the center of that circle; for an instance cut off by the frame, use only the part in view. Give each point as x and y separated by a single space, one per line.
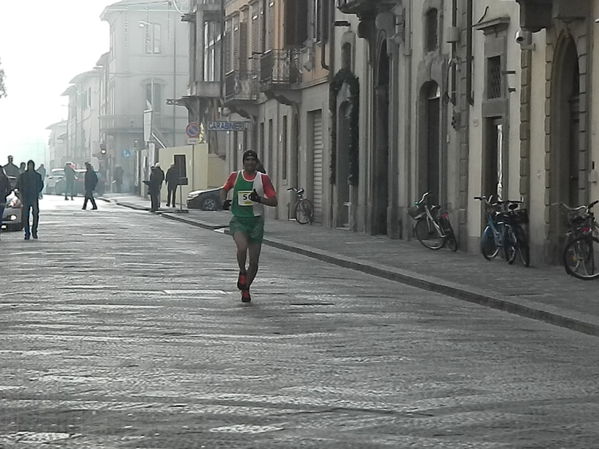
243 198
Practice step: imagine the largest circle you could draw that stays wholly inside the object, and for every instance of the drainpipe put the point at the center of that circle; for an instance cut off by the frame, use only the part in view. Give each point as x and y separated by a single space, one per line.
469 54
326 30
222 52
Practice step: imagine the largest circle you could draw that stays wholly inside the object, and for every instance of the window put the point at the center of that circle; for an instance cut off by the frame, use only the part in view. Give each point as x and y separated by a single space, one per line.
296 23
346 51
317 20
152 42
270 26
431 37
153 97
494 77
228 46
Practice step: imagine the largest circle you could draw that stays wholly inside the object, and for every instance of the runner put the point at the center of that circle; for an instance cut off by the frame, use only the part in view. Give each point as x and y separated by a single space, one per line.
252 190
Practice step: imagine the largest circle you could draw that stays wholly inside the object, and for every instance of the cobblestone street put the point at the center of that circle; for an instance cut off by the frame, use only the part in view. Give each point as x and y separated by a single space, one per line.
120 329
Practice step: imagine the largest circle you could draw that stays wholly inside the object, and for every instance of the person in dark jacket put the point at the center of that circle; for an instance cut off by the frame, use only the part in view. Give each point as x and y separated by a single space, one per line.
154 188
5 189
69 181
12 170
172 181
29 186
91 181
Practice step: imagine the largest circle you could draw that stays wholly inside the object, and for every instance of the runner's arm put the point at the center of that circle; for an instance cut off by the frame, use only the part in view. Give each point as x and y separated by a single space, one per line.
270 195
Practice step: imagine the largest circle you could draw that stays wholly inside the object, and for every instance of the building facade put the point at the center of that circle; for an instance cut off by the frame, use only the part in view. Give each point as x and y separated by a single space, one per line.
273 82
368 104
56 152
83 134
146 65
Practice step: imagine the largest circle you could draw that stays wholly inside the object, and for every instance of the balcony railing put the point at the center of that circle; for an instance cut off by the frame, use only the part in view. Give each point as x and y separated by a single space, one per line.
280 69
243 86
121 122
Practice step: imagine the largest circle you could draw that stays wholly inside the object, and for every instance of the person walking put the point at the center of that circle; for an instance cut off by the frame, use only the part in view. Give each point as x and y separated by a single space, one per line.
154 188
172 181
22 167
161 178
91 181
10 169
252 190
29 186
5 189
117 177
69 181
42 171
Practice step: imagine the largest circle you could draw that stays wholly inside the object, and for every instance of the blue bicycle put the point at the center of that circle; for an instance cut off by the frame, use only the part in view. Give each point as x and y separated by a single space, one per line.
503 235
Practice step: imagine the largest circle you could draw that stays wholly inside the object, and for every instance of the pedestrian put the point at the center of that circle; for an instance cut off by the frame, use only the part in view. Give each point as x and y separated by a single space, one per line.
172 181
22 167
69 180
154 188
161 177
29 186
90 181
252 190
117 177
11 170
5 189
42 171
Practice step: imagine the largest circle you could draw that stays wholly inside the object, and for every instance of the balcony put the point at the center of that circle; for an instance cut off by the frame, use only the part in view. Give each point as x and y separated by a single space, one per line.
121 123
205 89
355 6
279 69
241 86
536 15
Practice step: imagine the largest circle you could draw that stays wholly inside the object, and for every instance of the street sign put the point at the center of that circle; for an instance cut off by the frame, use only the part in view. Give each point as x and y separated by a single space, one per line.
219 125
192 140
193 130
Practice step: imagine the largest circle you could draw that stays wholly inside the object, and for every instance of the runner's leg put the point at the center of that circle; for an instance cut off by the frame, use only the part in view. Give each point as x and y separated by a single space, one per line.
254 250
241 240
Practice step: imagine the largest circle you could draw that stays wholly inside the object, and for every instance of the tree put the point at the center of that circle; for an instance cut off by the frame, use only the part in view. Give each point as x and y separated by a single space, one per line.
2 86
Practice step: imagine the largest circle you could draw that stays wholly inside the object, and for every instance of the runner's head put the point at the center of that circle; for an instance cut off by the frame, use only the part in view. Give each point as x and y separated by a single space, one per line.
250 160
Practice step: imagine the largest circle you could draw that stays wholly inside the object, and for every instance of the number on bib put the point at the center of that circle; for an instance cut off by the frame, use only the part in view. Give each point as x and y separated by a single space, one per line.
243 198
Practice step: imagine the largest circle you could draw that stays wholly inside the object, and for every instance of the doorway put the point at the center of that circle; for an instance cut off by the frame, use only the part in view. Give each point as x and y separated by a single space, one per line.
380 171
566 168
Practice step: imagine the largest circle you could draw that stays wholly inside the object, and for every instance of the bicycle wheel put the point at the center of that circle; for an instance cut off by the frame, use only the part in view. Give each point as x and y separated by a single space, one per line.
510 244
581 258
427 234
450 240
522 246
303 211
488 247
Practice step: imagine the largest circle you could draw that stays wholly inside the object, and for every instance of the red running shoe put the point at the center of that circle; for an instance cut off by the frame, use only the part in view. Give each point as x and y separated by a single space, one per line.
245 296
242 281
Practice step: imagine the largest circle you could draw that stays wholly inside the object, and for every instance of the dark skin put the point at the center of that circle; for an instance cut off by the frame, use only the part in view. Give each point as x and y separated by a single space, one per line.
246 247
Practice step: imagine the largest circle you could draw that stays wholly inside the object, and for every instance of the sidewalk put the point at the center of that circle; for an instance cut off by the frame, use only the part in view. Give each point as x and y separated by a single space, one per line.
546 293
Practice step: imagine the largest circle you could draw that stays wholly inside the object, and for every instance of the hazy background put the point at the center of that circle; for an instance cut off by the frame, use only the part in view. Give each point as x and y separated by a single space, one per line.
43 45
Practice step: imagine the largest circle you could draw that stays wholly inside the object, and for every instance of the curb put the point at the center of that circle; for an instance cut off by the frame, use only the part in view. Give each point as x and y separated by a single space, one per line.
413 279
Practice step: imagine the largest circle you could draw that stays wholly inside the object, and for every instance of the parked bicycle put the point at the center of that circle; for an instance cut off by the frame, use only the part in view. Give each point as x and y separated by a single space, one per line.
581 251
503 234
304 210
432 228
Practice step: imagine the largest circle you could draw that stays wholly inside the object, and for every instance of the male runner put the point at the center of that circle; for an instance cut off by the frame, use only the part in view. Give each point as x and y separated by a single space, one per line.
252 190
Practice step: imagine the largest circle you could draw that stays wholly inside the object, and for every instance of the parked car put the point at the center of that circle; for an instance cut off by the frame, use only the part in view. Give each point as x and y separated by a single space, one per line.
12 217
205 199
52 178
